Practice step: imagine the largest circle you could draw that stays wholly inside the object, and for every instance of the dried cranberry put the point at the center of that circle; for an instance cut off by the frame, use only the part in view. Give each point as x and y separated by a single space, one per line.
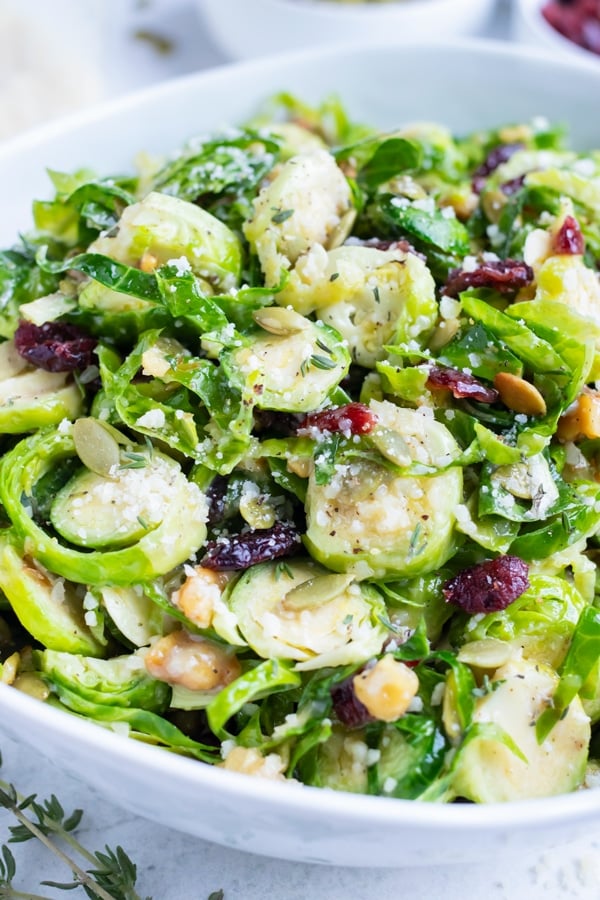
495 158
279 423
353 418
461 384
503 275
240 551
382 244
347 707
488 587
569 239
513 185
54 346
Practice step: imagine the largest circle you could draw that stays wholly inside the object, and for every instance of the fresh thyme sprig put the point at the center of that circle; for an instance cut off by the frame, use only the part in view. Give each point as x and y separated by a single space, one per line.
111 874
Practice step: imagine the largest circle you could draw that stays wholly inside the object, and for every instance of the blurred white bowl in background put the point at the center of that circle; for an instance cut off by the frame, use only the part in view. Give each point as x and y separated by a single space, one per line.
248 28
49 61
530 27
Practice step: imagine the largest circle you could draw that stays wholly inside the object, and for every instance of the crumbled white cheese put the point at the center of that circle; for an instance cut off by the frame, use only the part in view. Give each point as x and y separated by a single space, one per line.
154 418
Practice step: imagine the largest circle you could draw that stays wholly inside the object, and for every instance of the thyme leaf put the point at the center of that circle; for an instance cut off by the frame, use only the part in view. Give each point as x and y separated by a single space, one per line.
282 216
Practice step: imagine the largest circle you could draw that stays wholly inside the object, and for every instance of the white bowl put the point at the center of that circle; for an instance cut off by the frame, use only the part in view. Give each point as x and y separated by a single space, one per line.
384 84
529 26
247 28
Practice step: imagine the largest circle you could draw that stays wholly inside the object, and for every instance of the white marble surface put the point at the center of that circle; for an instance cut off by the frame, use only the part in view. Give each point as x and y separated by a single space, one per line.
173 866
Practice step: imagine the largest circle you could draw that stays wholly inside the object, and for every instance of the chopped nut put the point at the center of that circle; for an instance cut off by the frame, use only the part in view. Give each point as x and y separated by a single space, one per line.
194 663
250 761
464 205
519 395
511 134
299 465
582 420
154 363
387 689
31 683
148 263
197 595
10 667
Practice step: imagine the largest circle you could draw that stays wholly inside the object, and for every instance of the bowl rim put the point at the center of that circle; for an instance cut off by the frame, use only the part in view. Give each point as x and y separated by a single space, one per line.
478 46
393 8
194 774
15 706
531 13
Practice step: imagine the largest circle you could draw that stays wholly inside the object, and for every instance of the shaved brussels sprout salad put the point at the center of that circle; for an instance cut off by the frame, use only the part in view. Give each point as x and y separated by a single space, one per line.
300 467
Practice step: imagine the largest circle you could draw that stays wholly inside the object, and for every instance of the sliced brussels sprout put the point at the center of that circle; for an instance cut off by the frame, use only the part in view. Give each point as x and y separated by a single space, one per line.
372 297
437 136
539 624
339 763
118 509
396 767
581 188
167 228
590 694
308 202
410 758
47 309
120 681
567 279
132 613
304 612
295 138
488 771
179 533
533 164
290 371
96 296
32 398
529 480
49 608
375 523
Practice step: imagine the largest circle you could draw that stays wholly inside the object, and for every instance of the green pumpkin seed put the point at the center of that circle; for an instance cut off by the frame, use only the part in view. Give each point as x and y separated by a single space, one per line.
30 683
488 653
516 479
96 446
257 512
392 446
341 230
316 591
280 320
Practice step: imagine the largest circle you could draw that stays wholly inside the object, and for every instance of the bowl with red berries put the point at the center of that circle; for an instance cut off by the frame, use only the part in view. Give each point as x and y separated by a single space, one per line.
571 27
